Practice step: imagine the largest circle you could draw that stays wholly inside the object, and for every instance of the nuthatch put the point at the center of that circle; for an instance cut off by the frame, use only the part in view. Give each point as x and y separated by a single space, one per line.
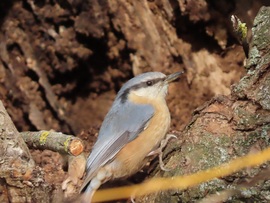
134 127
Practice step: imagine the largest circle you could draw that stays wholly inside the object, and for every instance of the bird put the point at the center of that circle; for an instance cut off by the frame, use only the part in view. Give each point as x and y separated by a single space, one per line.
132 130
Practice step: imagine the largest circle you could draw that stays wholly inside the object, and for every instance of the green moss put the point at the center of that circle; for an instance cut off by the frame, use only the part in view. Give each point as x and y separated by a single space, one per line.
43 137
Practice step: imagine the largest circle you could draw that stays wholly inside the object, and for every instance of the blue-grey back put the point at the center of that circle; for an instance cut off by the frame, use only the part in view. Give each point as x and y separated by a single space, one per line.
122 124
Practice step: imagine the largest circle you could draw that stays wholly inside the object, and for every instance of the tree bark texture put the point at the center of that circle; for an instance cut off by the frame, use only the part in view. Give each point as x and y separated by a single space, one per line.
227 127
58 58
62 62
20 180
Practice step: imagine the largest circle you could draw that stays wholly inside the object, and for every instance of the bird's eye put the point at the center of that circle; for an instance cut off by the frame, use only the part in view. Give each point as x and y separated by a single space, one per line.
149 83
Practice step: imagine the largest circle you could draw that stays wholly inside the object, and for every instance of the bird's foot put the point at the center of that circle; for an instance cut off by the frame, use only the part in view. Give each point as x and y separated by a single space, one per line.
132 199
158 151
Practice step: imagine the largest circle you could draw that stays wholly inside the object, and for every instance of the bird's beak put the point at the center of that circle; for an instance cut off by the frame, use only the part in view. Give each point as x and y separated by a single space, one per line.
173 77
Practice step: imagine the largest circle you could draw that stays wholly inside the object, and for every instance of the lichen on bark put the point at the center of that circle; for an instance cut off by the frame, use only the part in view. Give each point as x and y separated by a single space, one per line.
225 128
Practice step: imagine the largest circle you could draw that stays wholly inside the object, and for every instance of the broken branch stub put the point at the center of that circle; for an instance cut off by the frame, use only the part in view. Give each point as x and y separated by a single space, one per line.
55 141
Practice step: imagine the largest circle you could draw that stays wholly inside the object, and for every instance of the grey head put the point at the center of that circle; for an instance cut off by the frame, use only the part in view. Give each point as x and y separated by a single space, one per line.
150 85
146 84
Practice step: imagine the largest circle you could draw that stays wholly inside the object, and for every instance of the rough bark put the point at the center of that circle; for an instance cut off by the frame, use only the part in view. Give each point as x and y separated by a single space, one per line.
58 58
62 62
18 174
228 127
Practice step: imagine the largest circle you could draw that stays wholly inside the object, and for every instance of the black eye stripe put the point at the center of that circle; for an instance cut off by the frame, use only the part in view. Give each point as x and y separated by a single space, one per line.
138 86
154 81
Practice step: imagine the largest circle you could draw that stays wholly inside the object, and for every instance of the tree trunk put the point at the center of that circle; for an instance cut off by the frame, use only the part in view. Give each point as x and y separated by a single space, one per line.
227 127
62 62
20 180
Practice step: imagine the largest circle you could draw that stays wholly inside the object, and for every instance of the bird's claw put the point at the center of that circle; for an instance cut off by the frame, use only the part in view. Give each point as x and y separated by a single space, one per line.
132 199
158 151
162 145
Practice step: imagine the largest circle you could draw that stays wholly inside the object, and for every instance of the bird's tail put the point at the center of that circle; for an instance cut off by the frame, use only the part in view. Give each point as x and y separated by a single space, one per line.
87 194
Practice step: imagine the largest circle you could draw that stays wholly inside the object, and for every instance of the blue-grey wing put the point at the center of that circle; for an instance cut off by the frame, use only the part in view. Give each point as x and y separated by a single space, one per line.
121 125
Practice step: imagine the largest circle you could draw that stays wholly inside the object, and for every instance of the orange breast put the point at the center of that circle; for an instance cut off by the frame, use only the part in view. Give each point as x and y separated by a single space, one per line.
131 158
